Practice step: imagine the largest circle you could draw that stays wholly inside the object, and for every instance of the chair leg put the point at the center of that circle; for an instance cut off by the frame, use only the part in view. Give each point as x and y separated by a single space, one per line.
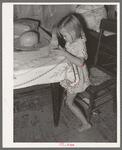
90 108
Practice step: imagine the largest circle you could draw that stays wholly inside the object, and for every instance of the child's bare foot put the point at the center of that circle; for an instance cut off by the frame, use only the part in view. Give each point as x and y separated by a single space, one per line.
84 127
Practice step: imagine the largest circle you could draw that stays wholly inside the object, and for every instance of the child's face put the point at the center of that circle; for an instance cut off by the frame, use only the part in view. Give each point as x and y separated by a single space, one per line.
66 35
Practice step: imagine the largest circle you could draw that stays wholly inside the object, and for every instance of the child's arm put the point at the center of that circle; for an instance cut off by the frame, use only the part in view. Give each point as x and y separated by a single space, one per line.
78 61
54 40
54 31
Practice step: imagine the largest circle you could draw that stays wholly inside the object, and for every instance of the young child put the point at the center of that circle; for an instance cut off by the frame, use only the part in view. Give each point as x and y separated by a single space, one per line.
76 79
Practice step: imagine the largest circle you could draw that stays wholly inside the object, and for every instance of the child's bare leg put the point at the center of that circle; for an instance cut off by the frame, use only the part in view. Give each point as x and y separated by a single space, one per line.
77 111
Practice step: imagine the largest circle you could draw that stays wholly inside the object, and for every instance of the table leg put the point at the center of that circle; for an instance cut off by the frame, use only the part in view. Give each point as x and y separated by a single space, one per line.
57 96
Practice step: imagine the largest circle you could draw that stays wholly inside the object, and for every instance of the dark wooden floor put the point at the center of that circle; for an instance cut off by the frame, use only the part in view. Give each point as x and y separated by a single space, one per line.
33 121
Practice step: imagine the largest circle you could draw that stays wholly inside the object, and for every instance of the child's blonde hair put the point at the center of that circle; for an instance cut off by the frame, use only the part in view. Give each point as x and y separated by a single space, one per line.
72 24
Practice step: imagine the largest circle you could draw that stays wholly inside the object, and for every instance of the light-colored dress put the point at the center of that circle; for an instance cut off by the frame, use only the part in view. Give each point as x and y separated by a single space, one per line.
76 78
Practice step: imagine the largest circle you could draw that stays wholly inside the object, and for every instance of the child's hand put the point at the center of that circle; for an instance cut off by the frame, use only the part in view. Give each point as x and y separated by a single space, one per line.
59 52
54 41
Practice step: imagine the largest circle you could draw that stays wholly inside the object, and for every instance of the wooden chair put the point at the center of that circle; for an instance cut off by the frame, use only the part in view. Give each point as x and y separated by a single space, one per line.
103 82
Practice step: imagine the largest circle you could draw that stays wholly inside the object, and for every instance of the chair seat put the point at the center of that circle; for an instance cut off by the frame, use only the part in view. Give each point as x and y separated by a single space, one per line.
98 76
101 83
100 79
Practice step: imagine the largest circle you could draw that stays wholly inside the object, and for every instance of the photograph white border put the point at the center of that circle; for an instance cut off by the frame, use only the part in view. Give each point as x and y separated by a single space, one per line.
7 82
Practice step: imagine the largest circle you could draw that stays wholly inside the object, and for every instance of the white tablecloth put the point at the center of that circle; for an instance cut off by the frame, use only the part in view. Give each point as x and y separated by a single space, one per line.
40 71
37 67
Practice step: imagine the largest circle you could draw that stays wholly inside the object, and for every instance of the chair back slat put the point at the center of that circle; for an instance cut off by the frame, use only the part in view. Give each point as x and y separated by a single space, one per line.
108 25
105 25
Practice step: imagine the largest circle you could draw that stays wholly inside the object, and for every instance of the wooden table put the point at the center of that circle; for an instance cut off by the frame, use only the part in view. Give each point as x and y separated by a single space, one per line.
34 69
57 96
31 79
